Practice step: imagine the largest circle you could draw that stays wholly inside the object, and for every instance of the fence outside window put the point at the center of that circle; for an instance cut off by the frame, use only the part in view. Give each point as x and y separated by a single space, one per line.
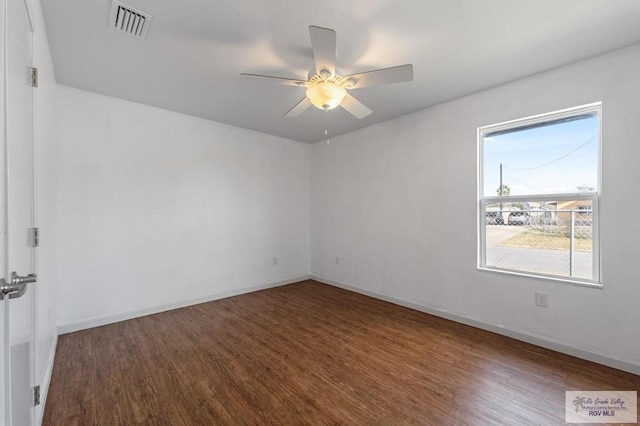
548 242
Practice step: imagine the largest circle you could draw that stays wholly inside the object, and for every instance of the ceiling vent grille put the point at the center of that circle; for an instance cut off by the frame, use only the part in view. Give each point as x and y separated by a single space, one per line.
129 20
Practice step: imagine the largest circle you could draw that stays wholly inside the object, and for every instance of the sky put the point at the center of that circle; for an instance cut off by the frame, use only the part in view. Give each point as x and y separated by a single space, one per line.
545 160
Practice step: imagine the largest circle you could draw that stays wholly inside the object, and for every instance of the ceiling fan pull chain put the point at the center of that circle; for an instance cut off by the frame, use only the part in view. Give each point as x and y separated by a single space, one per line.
326 124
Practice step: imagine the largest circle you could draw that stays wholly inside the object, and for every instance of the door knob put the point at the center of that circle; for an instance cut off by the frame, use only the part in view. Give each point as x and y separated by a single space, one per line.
17 287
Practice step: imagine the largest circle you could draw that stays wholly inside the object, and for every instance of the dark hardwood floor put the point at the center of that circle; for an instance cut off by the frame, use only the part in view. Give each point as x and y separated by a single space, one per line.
308 353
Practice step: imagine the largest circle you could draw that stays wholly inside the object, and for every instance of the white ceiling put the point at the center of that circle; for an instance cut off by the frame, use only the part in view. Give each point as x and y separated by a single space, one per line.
195 50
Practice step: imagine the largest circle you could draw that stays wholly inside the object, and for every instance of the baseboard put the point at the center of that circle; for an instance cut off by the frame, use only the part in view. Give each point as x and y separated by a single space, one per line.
123 316
44 388
561 347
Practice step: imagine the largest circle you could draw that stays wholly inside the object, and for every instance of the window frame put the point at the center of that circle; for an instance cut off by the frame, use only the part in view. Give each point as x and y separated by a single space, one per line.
593 196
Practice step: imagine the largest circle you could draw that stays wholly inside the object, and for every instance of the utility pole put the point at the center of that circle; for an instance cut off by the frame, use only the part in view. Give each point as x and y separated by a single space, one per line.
501 187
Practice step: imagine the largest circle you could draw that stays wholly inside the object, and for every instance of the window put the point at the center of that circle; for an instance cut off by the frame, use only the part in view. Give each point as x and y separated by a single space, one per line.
538 196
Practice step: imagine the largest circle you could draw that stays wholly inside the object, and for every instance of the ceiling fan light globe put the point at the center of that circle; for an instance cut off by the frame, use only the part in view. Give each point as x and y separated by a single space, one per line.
326 95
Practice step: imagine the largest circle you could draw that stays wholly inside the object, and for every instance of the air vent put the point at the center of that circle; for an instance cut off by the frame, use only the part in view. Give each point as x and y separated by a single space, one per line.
129 20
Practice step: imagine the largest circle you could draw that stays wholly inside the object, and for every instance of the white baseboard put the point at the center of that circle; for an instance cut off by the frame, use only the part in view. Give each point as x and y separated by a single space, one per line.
44 389
561 347
123 316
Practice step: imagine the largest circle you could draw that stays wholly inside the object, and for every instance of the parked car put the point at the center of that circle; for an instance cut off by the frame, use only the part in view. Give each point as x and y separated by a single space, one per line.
494 218
519 218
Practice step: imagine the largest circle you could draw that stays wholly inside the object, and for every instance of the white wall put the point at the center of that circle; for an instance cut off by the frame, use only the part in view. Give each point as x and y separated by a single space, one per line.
397 203
157 209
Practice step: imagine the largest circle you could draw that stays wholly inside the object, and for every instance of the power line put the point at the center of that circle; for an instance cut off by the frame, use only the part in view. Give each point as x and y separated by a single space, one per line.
515 177
553 161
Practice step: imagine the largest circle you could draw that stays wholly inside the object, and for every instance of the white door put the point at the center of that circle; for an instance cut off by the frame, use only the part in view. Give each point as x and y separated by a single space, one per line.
18 199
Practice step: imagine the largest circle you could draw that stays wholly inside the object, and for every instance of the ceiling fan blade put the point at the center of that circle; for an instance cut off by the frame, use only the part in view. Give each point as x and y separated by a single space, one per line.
323 43
382 76
276 80
354 106
299 108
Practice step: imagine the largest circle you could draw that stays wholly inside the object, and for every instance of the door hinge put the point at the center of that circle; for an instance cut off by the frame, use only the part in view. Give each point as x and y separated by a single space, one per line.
35 237
36 395
34 77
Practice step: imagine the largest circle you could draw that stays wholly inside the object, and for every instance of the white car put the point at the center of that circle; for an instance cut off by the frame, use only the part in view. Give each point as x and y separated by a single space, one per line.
519 218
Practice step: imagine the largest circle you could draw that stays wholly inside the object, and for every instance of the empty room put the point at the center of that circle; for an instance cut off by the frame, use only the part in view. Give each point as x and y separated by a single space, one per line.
276 212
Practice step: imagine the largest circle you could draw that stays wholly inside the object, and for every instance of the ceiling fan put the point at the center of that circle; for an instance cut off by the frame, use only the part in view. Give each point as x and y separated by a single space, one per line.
326 87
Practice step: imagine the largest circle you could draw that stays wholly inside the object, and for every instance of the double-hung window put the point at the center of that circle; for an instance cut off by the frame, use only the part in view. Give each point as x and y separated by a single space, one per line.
538 195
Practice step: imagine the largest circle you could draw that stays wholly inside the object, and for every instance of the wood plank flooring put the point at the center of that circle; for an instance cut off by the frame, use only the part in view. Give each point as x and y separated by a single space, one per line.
308 353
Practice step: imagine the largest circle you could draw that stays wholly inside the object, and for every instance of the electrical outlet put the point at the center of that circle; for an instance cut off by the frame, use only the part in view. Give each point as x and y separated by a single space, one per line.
274 260
542 299
337 260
